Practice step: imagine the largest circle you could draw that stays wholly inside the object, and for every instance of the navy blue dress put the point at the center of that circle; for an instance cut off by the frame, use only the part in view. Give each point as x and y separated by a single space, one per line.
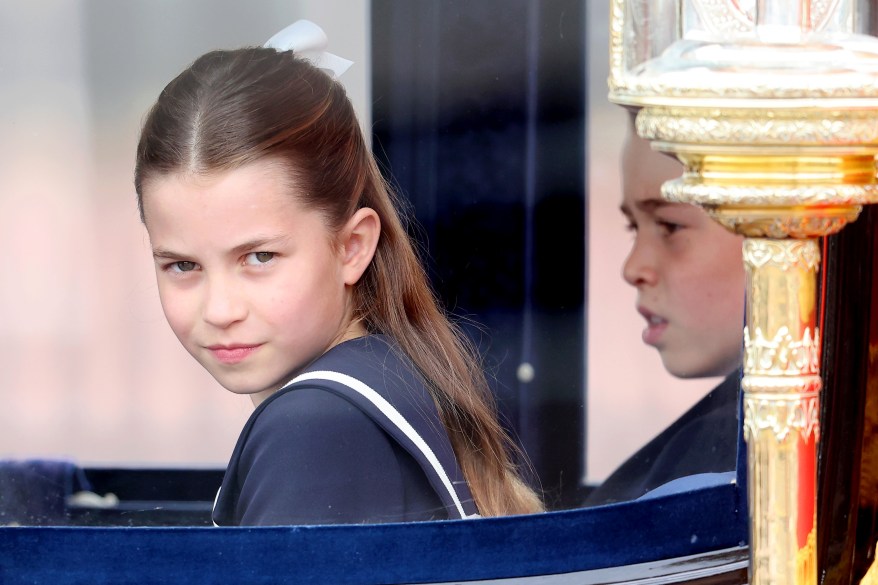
355 438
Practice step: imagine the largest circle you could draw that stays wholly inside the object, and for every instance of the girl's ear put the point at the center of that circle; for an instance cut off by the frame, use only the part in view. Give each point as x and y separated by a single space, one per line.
360 238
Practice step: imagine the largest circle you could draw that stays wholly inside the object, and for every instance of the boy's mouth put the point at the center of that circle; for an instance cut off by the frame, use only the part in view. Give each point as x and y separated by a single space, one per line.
655 327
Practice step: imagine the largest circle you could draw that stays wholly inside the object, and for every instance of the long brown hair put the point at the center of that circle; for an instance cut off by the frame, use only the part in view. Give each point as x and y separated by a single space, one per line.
230 108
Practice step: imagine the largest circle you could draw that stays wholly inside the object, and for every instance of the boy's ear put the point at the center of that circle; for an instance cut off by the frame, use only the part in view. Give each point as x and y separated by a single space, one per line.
360 234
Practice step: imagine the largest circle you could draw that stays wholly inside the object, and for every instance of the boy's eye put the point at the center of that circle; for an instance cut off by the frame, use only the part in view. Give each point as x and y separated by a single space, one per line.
182 266
257 258
668 227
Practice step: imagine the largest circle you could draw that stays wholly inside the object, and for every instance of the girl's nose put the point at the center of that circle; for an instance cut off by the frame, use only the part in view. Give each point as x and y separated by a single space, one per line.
224 304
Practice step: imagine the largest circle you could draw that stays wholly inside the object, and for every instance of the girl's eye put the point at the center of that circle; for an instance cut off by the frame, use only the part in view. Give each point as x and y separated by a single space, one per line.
630 226
257 258
182 266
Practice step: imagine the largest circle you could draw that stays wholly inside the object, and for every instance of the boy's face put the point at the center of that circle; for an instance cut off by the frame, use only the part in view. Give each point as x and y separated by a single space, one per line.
687 269
250 281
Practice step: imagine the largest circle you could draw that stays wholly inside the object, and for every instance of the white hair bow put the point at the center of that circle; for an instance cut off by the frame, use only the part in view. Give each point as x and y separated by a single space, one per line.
308 40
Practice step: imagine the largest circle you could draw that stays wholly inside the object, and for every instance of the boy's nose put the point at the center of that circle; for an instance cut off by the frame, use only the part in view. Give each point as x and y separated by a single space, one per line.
639 268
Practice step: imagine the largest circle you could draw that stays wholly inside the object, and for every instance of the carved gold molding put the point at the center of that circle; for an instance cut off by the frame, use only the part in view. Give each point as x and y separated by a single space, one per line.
617 47
757 126
765 386
783 354
787 418
762 196
766 226
846 91
804 254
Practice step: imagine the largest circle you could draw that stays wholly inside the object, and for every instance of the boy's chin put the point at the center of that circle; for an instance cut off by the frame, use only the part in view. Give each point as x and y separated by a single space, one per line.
688 369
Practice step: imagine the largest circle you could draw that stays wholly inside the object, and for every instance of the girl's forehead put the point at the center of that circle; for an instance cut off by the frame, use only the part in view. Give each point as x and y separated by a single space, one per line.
259 179
232 199
220 219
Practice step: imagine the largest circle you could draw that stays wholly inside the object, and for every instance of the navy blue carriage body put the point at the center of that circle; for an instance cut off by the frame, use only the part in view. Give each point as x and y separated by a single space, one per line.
373 375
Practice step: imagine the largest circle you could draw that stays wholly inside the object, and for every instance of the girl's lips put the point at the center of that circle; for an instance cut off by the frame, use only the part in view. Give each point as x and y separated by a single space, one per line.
232 354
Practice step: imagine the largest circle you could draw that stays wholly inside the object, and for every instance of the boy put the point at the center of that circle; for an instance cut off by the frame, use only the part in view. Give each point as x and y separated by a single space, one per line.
689 277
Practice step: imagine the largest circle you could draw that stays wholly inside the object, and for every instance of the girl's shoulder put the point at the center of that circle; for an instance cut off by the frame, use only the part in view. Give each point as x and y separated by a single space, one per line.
373 374
304 410
362 400
312 457
368 371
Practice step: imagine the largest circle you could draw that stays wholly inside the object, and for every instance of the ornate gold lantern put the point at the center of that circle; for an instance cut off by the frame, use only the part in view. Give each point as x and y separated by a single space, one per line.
772 106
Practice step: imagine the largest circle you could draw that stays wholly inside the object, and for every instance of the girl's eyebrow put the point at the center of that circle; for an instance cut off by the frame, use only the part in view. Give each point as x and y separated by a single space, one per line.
165 253
258 242
249 245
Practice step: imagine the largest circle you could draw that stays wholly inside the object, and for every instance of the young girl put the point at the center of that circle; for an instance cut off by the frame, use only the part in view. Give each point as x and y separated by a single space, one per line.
689 275
284 268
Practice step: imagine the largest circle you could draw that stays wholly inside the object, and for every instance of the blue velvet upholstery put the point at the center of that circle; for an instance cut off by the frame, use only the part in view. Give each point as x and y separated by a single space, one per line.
557 542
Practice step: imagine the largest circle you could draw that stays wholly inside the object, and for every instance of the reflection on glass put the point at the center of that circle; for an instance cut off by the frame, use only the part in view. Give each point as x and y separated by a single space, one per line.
83 333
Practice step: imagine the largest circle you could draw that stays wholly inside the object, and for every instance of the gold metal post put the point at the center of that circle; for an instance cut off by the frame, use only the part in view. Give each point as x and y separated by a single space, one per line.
776 124
782 407
782 197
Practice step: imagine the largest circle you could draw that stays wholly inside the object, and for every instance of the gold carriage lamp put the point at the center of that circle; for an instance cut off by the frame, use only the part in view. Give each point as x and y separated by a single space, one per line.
772 106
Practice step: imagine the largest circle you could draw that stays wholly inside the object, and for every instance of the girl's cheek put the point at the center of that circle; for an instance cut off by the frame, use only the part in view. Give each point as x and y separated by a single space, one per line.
179 309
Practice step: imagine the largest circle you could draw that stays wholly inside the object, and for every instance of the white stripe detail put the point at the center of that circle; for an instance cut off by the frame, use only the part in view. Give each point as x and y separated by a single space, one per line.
394 416
213 508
